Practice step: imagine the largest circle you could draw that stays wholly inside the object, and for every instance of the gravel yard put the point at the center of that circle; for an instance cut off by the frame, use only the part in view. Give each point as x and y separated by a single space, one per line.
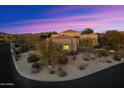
72 68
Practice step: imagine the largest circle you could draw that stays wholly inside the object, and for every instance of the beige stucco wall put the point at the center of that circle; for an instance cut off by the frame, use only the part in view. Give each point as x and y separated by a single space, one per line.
71 42
74 44
89 36
93 37
54 35
71 34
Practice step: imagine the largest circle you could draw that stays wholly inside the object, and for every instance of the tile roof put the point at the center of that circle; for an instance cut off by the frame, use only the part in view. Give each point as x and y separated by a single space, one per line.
71 31
63 37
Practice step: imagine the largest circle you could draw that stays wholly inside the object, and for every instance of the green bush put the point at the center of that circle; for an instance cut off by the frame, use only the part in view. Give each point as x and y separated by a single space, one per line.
33 58
52 72
81 67
74 58
108 61
63 60
17 52
117 58
36 65
16 45
103 53
86 59
25 48
98 46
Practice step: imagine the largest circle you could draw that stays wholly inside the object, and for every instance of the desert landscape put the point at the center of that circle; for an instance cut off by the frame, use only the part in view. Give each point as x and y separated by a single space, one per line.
62 46
85 60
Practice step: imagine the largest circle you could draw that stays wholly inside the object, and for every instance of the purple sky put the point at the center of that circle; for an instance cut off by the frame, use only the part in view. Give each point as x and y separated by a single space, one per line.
33 19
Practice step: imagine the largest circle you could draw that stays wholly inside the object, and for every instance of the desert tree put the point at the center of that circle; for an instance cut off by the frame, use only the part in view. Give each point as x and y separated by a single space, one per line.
111 38
50 52
87 31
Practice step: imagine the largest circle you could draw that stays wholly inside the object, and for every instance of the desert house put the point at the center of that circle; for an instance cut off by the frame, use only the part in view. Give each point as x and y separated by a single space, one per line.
72 40
88 40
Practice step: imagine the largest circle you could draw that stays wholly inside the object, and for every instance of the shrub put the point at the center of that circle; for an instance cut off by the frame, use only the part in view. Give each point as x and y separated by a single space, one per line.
93 58
33 58
16 45
103 53
59 68
36 65
74 58
62 74
25 48
16 58
108 47
86 59
17 52
13 48
81 67
63 60
73 52
52 72
117 58
35 70
108 61
98 46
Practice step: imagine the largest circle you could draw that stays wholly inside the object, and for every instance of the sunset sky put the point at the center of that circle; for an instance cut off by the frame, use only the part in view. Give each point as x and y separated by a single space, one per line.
33 19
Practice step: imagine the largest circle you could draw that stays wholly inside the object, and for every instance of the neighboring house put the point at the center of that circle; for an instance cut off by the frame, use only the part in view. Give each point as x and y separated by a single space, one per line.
72 39
89 40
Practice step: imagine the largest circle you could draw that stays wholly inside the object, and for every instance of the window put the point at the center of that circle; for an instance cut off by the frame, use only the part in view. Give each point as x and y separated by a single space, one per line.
65 47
